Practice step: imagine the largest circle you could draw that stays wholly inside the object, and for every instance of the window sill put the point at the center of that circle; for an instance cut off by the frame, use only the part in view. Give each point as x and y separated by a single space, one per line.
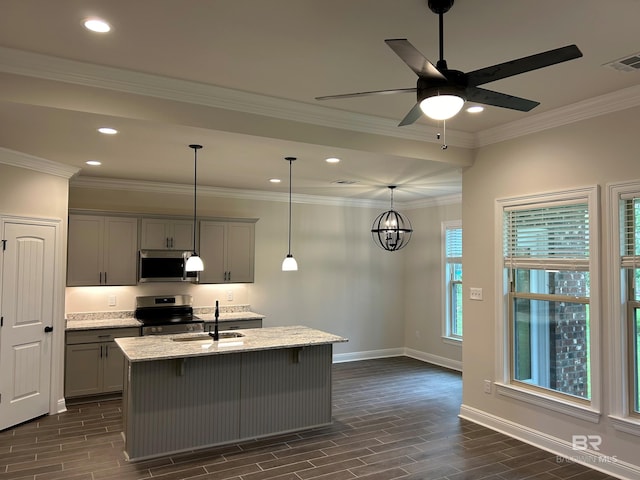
549 402
452 341
626 424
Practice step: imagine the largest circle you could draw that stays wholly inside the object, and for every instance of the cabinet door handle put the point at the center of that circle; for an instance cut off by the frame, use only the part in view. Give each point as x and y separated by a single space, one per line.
105 278
106 351
100 278
171 242
100 351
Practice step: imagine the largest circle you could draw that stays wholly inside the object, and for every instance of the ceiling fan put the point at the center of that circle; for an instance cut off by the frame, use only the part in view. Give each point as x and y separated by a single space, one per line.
441 92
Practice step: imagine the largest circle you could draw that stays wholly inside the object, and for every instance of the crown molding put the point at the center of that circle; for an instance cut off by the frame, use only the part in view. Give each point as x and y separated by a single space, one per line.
593 107
23 160
46 67
254 195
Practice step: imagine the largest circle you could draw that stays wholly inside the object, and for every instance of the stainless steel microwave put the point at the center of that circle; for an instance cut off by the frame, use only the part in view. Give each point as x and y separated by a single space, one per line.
164 266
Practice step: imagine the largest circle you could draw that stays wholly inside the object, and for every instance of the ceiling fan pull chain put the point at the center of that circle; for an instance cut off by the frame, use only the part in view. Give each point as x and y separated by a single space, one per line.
444 135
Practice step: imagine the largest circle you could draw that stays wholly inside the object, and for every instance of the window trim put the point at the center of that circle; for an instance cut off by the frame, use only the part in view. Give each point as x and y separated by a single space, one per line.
447 337
621 415
590 410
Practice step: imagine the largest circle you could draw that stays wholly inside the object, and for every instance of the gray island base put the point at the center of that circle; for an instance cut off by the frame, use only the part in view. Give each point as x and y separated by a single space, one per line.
182 395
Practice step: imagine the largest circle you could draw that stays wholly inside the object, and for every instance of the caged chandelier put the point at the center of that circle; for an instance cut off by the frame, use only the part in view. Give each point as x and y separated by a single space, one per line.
391 231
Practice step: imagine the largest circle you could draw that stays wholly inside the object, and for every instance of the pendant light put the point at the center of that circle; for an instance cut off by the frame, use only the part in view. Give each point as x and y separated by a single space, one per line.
391 231
194 262
289 263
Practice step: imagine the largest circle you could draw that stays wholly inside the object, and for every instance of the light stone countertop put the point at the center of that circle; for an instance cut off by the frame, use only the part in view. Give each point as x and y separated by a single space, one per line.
162 347
93 324
121 319
230 316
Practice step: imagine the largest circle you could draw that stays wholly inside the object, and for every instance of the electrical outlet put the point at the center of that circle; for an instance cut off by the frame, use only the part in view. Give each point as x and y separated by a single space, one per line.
487 386
230 295
475 293
111 300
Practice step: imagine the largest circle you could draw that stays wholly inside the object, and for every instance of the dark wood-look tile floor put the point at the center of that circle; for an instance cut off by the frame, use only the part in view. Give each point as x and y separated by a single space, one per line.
394 418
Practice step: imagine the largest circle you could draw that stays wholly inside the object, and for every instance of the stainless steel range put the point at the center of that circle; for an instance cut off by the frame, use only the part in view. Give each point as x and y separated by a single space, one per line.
167 314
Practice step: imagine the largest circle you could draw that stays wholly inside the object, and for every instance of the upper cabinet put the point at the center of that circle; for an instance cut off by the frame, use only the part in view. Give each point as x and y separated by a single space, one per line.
102 250
228 251
166 234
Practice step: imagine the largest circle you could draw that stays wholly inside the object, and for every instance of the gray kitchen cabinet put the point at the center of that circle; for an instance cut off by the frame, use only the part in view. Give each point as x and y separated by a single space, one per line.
166 234
233 325
93 362
102 250
228 251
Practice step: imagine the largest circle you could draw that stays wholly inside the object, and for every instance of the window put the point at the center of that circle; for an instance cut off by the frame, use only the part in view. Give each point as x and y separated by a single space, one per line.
630 263
453 280
546 247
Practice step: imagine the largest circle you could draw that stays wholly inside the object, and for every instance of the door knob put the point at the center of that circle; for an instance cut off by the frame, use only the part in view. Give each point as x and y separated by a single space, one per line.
48 329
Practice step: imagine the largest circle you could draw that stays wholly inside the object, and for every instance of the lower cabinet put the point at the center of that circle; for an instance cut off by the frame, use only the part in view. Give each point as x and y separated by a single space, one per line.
93 362
237 325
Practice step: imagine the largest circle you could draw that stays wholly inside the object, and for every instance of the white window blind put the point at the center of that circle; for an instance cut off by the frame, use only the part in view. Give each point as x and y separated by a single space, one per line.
630 234
551 237
453 242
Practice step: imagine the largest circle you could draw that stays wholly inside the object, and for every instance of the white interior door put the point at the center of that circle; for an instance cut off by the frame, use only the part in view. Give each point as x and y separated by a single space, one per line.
26 306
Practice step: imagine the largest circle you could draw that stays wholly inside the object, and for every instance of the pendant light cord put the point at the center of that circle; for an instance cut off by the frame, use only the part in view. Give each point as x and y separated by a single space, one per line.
195 190
290 164
195 196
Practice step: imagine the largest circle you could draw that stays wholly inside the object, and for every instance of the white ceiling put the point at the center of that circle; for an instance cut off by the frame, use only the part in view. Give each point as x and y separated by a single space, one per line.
240 77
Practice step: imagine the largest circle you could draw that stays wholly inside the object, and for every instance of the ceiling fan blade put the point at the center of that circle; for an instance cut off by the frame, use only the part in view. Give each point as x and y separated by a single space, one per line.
522 65
364 94
414 114
414 59
497 99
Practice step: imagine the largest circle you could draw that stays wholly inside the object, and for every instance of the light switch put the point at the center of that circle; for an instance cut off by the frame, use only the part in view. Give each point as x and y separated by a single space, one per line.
475 293
111 300
230 295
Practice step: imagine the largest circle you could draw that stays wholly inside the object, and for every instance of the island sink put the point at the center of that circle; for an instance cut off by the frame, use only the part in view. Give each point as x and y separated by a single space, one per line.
207 337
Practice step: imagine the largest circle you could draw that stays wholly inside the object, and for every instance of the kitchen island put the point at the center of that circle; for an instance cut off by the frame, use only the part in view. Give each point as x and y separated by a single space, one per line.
184 392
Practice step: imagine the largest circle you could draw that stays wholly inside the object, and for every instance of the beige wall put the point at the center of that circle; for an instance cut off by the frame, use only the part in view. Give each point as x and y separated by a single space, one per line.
345 284
591 152
29 193
423 287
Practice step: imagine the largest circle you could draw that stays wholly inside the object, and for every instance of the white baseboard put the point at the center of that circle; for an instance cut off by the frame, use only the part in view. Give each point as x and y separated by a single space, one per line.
367 355
399 352
435 359
61 406
562 448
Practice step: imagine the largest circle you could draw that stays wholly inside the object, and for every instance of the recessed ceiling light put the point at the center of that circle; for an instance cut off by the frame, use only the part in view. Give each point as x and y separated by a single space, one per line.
93 163
108 130
475 109
332 160
97 25
275 180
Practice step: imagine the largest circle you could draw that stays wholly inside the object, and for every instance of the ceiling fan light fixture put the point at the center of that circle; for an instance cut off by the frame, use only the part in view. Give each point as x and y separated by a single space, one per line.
442 106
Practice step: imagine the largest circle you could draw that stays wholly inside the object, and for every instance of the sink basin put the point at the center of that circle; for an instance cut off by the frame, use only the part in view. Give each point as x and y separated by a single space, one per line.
205 337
